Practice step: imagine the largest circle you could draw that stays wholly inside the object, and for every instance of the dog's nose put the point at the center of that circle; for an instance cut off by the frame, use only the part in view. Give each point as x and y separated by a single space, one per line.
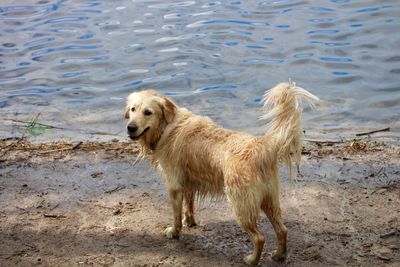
132 128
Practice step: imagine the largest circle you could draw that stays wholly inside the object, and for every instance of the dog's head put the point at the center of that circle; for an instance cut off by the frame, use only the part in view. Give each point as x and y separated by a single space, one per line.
148 112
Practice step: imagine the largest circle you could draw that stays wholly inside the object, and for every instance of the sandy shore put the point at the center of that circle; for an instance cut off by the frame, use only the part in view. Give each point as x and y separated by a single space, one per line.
86 204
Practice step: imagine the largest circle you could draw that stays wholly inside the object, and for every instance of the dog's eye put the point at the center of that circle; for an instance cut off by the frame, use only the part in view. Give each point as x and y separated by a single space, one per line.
147 112
133 109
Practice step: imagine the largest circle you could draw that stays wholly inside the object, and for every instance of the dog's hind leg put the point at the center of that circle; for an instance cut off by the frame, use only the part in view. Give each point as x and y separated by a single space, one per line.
257 238
176 197
246 217
271 208
246 202
188 217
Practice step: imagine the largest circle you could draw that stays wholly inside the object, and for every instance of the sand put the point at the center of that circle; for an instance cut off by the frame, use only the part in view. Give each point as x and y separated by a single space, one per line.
87 204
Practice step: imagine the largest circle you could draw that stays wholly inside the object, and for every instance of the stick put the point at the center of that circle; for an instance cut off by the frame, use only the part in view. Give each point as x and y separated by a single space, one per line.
331 142
77 145
388 234
61 149
375 131
53 216
58 204
120 187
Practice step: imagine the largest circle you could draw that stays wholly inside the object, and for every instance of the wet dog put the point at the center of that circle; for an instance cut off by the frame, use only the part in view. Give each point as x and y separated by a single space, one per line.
197 157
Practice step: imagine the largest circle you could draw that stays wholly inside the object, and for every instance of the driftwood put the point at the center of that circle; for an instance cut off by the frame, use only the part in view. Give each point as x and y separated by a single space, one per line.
374 131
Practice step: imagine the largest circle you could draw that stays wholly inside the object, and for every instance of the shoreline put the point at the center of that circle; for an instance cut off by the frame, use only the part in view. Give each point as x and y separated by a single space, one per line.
34 143
87 204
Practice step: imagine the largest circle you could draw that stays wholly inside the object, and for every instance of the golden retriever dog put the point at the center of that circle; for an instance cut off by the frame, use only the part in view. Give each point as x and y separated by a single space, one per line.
197 157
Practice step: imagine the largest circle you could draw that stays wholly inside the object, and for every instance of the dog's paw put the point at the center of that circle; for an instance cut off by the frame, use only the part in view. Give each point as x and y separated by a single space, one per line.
171 232
189 221
278 256
250 260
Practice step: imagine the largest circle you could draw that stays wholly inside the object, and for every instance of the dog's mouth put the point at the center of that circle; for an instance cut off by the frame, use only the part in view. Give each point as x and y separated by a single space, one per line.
133 137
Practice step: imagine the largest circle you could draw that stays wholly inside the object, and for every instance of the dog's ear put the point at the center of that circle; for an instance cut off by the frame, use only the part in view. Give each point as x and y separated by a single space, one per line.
169 109
127 113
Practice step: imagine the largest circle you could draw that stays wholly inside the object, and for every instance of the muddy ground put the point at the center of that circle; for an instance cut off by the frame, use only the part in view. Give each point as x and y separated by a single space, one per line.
87 204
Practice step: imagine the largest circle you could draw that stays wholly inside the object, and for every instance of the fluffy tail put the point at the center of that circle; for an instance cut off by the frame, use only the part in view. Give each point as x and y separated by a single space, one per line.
283 107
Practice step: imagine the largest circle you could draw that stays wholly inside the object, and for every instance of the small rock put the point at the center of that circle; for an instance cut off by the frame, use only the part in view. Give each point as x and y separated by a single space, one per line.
96 174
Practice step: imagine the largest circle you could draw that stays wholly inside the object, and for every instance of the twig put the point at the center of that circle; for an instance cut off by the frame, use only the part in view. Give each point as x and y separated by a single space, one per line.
61 149
77 145
53 216
104 133
375 131
327 142
388 234
122 246
55 206
120 187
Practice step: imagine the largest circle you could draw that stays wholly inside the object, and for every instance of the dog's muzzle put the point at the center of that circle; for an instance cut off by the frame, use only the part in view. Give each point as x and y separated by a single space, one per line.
132 131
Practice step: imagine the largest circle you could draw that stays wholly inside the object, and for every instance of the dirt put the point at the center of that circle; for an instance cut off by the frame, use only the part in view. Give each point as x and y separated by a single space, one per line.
89 204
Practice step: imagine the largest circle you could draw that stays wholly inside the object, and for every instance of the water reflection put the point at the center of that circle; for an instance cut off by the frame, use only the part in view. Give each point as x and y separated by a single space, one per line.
68 58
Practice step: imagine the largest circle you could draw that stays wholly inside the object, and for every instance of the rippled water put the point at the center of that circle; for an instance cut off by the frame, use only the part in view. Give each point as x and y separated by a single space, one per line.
75 61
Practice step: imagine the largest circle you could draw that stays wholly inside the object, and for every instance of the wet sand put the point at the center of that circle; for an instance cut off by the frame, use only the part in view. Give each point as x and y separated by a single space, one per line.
87 204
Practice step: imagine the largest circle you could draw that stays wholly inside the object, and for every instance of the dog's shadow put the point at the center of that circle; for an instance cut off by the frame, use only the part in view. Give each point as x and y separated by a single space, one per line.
223 241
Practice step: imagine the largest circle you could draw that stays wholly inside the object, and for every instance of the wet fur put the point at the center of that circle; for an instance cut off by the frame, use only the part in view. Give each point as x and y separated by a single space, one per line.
197 157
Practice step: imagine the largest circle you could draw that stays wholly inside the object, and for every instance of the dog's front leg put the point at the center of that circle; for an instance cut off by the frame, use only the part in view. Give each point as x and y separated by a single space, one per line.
176 197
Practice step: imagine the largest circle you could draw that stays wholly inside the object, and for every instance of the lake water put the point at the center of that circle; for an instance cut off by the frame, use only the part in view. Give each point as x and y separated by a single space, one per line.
74 62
